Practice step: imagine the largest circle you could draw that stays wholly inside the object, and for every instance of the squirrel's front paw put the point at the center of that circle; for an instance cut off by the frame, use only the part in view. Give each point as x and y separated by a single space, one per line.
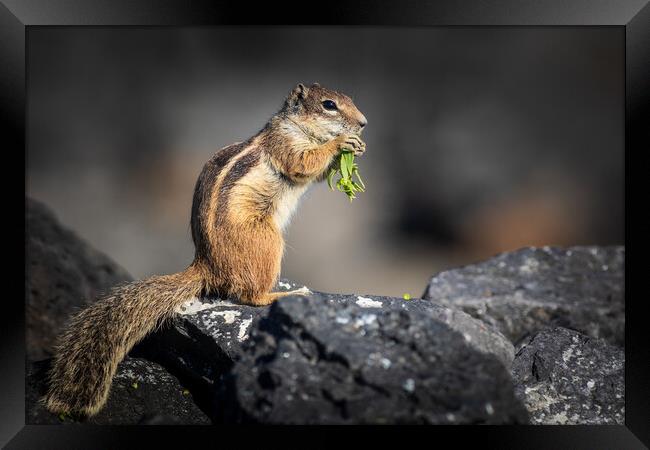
352 142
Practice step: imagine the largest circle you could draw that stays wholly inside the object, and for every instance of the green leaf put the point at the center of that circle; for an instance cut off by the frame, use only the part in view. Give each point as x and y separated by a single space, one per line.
356 172
357 187
346 166
330 177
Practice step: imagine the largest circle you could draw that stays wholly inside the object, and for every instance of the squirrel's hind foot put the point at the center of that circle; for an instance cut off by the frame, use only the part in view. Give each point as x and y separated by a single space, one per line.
270 297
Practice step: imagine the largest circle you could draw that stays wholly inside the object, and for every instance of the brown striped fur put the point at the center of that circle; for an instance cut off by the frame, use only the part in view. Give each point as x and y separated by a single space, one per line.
243 200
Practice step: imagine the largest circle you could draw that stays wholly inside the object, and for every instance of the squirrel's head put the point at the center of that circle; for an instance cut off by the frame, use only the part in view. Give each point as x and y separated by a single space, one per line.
323 113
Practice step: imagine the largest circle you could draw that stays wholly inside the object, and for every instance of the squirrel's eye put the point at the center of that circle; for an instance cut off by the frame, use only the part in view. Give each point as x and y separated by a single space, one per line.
329 105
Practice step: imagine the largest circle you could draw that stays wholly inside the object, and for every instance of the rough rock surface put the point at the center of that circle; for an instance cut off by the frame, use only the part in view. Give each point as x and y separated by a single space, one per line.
565 377
326 360
142 393
226 322
209 335
63 272
522 292
204 341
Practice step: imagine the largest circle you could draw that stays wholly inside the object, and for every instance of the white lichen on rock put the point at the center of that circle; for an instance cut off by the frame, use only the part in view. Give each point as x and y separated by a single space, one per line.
366 302
243 328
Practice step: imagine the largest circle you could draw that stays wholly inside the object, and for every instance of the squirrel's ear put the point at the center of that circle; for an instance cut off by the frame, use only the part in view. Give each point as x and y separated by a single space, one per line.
315 85
298 93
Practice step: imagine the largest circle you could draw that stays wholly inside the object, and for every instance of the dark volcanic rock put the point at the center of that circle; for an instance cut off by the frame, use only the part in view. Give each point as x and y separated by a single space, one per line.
326 358
226 322
330 360
209 334
201 343
63 272
522 292
564 377
142 393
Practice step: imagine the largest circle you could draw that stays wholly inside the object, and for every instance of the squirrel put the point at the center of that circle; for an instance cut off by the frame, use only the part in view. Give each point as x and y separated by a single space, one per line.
243 200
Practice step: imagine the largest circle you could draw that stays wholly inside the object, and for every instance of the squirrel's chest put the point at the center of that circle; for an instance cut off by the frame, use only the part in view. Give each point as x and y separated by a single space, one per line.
262 193
286 203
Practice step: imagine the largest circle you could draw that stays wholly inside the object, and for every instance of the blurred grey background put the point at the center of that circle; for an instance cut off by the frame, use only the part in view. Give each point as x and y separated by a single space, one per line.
480 140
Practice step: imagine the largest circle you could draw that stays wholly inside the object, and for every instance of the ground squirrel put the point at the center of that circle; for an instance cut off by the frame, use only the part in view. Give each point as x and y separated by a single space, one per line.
243 200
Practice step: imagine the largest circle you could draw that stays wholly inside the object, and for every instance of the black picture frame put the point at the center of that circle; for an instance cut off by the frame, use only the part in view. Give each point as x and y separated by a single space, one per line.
16 18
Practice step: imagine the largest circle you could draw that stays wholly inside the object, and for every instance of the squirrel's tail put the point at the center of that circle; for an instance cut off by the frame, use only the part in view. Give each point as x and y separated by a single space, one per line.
97 338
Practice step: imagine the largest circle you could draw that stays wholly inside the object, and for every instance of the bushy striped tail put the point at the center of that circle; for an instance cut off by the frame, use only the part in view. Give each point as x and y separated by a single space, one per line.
98 338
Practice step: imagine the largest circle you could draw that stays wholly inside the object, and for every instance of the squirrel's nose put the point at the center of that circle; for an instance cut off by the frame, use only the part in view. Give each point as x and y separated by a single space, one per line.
362 121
